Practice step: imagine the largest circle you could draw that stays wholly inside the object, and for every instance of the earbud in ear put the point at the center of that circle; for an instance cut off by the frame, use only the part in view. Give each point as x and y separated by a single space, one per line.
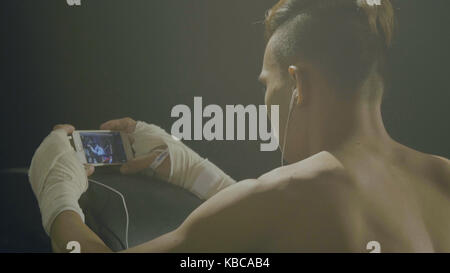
293 70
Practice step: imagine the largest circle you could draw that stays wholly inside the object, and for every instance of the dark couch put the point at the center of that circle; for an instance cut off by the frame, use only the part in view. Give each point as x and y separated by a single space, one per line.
155 208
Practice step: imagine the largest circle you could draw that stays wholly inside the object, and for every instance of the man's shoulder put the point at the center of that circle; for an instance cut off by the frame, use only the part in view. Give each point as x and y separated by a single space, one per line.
432 167
319 176
321 168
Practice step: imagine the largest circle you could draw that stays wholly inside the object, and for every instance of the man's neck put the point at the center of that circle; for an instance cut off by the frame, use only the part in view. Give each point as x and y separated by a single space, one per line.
358 126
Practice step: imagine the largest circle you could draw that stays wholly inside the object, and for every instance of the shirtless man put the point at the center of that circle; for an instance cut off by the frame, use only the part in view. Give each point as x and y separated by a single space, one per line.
347 182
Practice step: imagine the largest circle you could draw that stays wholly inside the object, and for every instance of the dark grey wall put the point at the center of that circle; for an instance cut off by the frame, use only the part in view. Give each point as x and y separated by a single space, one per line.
111 58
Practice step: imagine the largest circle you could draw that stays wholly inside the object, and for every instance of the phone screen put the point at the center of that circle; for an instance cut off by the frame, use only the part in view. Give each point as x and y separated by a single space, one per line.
103 147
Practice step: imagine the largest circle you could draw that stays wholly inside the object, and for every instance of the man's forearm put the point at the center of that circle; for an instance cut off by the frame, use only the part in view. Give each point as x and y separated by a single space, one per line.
69 227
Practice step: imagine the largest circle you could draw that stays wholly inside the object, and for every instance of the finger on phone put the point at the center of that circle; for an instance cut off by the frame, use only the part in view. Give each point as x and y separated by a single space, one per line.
136 165
66 127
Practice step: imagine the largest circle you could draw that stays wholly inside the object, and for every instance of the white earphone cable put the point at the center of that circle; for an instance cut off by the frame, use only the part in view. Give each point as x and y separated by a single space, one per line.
124 206
291 107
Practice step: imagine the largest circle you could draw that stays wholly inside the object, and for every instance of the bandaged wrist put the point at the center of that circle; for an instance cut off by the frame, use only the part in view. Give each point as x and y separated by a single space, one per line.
163 154
188 169
57 178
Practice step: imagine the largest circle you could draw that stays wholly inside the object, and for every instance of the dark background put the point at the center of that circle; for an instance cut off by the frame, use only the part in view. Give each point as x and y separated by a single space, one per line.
109 59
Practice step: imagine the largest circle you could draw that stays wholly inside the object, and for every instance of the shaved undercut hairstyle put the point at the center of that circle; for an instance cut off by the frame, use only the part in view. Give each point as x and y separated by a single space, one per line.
345 39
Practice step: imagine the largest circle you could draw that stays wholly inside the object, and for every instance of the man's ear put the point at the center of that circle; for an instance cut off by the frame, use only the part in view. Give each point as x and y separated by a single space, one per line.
297 76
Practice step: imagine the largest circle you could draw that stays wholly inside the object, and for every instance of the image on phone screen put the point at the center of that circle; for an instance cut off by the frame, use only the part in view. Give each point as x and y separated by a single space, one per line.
103 148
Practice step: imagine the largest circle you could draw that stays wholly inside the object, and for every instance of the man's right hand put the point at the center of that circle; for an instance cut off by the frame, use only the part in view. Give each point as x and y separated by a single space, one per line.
183 167
142 162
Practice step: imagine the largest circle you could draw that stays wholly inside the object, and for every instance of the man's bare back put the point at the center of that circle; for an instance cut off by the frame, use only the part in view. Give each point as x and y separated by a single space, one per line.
324 206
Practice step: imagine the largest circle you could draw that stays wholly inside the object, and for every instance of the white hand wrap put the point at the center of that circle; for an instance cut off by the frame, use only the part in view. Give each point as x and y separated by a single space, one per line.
57 178
188 169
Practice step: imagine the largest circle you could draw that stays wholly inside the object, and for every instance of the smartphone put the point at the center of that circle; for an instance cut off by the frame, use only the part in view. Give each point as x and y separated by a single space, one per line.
102 148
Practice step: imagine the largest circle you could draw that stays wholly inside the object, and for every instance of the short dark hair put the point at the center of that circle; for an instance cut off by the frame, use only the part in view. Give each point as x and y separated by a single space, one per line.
344 38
